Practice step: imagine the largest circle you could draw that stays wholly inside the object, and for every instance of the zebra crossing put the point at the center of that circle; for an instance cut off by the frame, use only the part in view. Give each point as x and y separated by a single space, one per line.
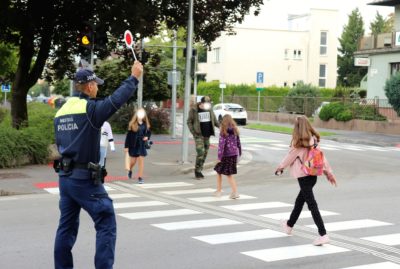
247 203
138 207
255 144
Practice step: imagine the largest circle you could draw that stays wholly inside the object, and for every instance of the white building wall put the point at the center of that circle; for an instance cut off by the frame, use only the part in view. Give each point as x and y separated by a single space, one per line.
263 50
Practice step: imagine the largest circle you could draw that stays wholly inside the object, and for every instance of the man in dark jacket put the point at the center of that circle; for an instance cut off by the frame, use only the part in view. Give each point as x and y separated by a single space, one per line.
201 122
78 128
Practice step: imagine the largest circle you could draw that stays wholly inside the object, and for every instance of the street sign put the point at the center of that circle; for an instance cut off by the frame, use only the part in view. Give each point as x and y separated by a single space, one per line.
362 61
178 77
128 37
260 81
5 87
222 85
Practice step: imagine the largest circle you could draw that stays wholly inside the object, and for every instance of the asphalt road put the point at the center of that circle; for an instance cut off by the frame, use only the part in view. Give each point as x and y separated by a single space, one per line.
173 221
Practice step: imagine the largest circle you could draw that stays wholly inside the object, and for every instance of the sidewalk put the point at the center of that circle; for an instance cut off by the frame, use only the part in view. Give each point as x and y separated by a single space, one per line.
163 163
366 138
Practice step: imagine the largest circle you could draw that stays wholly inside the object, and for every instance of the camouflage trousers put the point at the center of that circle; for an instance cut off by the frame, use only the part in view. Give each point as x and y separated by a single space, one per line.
202 146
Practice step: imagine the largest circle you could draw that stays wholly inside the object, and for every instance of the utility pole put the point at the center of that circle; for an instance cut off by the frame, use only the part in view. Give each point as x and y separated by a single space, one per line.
140 86
173 104
195 76
185 134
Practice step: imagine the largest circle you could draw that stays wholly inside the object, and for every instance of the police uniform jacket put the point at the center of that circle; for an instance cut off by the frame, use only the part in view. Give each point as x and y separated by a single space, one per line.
78 125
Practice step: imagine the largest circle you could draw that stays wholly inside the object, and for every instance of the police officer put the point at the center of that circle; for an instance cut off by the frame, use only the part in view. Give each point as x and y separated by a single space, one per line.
77 128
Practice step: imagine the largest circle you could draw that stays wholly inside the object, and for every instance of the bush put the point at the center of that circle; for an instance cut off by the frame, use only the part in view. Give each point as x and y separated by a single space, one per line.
30 144
159 119
392 90
3 113
335 110
302 99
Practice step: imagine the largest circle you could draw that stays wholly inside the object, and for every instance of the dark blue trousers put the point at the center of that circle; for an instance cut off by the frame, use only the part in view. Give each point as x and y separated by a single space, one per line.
74 195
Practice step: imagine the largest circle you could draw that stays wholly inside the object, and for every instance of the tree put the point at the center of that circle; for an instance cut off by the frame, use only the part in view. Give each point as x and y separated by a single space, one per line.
389 23
62 87
348 74
8 62
392 90
47 34
378 25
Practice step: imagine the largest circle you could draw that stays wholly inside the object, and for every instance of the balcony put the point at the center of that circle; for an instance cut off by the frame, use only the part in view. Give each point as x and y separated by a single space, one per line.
384 41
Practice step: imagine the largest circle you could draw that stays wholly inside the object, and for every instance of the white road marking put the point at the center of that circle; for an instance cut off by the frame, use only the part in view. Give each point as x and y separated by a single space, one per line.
252 206
159 214
286 253
194 224
303 215
218 199
204 190
165 185
138 204
387 239
239 236
352 224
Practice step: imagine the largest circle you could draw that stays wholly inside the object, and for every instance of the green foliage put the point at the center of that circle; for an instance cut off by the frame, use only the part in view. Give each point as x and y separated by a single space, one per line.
114 72
159 119
392 91
350 75
8 61
27 145
3 113
335 110
348 111
62 87
303 99
378 25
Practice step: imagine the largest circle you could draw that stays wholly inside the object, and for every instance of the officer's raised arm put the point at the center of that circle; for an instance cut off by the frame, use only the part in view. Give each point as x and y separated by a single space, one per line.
105 108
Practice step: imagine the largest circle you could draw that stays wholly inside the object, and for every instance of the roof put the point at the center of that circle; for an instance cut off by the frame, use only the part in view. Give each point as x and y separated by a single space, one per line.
389 3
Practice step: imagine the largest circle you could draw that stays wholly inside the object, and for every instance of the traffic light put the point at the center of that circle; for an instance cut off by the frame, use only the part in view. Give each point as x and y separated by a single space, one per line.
85 36
100 38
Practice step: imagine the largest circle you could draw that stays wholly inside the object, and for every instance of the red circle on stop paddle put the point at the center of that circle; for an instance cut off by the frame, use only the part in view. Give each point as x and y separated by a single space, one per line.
128 38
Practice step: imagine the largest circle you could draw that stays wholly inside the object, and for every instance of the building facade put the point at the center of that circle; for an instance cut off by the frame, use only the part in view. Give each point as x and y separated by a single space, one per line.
306 52
381 53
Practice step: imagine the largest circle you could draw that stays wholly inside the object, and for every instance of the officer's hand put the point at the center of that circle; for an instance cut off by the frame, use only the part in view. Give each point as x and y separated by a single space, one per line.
137 69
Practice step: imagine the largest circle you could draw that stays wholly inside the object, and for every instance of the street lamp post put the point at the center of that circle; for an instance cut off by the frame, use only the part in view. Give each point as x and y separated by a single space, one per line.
185 133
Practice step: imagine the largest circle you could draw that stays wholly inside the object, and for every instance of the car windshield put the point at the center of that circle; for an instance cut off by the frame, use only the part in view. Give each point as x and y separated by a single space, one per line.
234 107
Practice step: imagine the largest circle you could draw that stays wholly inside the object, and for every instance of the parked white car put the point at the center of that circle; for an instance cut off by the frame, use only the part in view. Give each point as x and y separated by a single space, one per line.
237 112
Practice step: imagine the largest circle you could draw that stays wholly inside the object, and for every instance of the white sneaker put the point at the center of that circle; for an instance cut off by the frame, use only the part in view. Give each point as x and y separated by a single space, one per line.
234 195
218 193
286 229
321 240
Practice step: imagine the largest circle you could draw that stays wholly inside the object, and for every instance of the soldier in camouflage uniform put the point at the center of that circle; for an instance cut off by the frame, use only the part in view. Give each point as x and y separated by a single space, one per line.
201 122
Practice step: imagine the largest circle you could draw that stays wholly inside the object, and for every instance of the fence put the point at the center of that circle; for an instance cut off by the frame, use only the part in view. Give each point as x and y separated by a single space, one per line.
368 109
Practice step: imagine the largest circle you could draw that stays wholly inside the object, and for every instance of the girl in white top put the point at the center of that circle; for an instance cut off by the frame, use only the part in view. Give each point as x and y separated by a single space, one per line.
106 138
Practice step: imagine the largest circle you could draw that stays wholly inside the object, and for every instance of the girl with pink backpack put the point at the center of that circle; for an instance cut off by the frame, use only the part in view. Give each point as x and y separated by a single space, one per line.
305 140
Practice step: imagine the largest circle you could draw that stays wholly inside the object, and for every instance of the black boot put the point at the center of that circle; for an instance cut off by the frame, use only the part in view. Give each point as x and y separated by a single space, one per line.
198 175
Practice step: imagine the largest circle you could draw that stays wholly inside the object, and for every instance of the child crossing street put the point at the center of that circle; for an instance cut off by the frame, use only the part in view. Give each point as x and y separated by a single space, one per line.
304 138
229 149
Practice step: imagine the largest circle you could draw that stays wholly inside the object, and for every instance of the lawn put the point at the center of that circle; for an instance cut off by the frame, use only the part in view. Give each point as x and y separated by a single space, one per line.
278 129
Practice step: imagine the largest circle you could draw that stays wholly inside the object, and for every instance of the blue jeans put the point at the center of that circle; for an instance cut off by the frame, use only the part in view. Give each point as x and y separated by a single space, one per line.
74 195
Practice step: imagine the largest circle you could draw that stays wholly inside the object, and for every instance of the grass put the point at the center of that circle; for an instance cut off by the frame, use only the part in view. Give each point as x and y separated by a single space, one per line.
278 129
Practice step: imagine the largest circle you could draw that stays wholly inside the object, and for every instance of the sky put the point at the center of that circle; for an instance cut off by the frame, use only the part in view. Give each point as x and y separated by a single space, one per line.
274 12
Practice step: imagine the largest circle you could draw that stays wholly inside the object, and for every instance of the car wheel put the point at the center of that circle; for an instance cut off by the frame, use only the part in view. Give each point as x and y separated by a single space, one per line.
244 122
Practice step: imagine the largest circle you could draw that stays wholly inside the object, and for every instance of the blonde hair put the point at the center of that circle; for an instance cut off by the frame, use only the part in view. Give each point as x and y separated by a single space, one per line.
228 122
302 133
134 122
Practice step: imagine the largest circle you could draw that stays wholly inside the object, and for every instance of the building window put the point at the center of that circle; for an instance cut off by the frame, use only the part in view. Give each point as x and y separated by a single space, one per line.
284 84
294 54
286 54
216 55
394 68
299 54
323 44
322 76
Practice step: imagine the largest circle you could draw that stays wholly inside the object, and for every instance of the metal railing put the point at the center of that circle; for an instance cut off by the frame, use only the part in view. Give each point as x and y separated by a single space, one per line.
362 108
379 41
